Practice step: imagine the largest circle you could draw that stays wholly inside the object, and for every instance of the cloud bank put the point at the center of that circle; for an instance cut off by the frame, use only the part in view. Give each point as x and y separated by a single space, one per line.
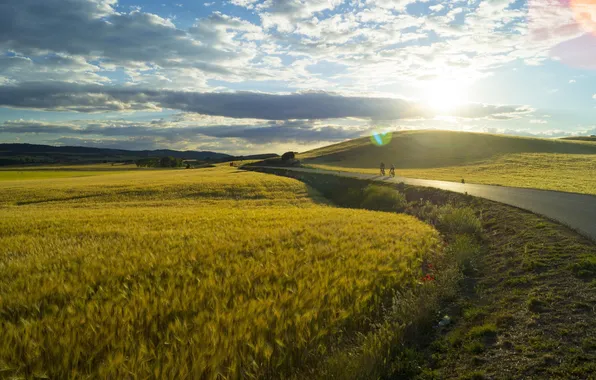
64 96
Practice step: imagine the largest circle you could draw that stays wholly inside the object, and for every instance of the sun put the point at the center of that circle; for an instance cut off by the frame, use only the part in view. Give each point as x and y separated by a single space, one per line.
444 96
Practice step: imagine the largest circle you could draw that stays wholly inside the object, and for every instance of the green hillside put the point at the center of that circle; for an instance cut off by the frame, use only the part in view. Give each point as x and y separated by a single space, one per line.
430 149
476 157
581 138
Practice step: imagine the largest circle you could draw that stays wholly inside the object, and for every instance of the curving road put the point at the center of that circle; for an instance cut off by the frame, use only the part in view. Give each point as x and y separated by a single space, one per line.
578 211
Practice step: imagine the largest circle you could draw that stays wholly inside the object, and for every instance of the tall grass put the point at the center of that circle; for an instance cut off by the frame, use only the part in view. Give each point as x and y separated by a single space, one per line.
458 220
383 198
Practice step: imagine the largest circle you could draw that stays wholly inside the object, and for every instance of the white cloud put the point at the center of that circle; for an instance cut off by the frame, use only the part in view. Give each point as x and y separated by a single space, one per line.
285 14
374 40
216 47
244 3
59 67
399 5
436 8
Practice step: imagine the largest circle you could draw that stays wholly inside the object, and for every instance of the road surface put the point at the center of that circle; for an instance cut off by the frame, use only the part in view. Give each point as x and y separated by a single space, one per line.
577 211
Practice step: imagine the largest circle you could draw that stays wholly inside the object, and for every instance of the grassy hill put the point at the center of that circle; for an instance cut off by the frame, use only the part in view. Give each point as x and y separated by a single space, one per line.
581 138
478 158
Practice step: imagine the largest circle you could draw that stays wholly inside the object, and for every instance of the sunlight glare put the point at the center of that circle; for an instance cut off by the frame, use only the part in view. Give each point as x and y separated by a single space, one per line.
444 96
585 14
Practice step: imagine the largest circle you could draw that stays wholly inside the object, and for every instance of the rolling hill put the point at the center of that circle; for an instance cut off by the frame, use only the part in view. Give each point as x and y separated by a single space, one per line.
475 157
431 149
581 138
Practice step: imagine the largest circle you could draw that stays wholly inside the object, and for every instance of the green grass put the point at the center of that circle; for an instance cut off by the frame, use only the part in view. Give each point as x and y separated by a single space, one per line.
382 198
561 165
483 331
581 138
212 273
522 319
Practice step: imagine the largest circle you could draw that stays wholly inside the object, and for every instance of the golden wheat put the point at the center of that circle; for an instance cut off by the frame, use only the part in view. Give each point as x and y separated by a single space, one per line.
213 273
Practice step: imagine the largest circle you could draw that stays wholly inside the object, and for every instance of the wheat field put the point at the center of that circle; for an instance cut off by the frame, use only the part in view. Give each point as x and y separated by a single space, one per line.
214 274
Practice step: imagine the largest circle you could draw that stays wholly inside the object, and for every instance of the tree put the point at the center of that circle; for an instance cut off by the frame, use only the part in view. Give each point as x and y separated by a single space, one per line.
161 162
165 162
170 162
146 163
288 156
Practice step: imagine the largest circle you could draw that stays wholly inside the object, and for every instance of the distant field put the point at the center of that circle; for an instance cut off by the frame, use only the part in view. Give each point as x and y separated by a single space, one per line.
213 273
14 175
581 138
67 167
477 158
18 173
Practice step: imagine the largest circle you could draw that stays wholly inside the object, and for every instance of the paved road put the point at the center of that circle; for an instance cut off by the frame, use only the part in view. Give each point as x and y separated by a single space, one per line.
575 210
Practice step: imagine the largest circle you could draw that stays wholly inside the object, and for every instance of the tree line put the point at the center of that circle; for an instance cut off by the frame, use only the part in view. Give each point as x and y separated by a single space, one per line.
160 162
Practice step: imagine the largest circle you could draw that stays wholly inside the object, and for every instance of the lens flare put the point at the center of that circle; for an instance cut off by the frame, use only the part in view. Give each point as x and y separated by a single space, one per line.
568 27
584 12
381 138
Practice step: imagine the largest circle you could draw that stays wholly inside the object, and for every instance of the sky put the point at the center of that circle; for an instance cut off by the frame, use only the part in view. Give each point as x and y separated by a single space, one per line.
254 76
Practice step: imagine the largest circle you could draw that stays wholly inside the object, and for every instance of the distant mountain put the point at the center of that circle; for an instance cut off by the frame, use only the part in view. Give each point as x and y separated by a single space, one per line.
11 154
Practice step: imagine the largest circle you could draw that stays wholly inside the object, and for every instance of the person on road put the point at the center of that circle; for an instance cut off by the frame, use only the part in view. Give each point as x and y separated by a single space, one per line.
382 168
392 170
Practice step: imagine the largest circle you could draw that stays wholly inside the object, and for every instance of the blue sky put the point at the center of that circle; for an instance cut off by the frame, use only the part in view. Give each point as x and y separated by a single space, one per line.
245 76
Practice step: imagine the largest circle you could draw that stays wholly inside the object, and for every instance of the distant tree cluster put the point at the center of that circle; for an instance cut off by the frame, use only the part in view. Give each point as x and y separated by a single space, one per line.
25 160
160 162
287 156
